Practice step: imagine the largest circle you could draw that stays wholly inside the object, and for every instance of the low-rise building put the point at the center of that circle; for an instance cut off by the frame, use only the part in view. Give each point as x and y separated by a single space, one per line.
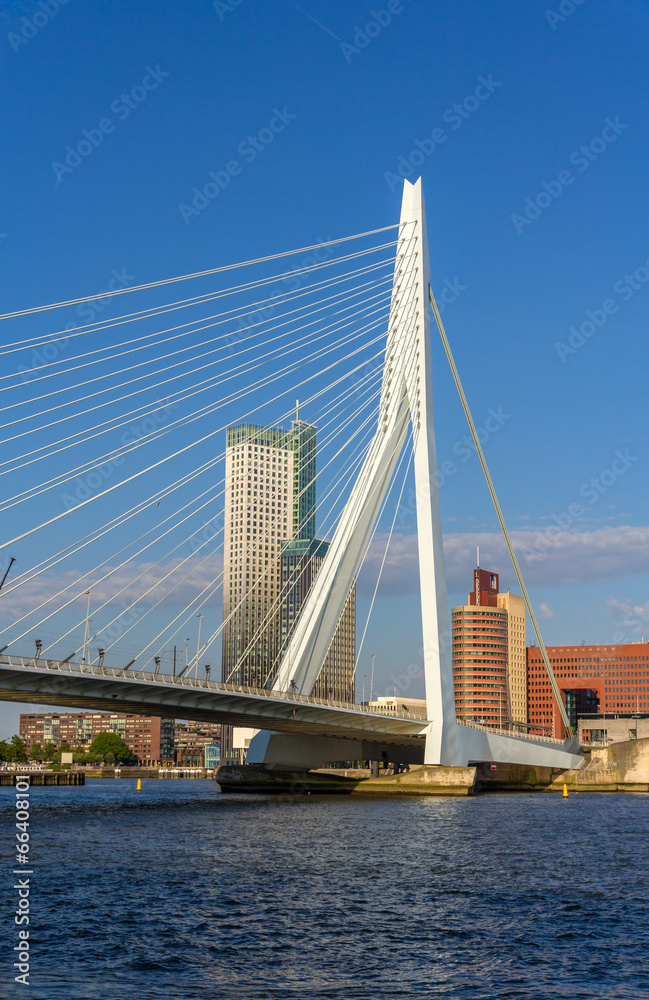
392 704
593 679
191 739
150 738
602 730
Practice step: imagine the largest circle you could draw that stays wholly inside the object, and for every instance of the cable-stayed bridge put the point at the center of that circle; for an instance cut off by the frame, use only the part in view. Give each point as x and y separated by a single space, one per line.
130 525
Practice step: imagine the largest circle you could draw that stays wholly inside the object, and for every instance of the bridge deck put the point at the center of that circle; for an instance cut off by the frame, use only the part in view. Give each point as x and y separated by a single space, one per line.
75 685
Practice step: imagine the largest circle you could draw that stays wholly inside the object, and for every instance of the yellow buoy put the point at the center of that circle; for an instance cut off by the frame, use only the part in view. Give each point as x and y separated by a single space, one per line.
565 791
139 787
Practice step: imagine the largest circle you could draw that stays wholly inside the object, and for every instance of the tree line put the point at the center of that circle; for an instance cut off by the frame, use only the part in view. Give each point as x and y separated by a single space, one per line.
106 748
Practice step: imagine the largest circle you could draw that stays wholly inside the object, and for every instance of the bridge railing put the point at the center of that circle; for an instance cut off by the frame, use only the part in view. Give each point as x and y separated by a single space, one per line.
510 732
414 714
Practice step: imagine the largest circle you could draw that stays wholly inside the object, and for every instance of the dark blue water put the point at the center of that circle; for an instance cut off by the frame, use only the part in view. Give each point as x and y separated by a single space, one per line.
179 892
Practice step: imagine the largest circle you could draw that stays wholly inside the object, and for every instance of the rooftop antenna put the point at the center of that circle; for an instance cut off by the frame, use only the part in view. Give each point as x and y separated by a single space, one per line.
477 556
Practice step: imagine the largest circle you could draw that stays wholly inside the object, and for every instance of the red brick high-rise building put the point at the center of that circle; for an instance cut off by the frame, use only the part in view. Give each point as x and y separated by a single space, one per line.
489 655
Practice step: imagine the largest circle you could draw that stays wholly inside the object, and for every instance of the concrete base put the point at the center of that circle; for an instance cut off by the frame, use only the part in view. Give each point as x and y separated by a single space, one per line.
290 781
623 767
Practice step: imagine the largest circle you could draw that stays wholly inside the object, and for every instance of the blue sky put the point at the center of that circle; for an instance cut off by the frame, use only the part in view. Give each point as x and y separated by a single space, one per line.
354 106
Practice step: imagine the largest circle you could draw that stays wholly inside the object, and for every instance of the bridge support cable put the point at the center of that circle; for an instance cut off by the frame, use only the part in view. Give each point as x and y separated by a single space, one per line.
46 565
343 396
196 274
167 491
176 399
218 318
217 581
186 448
499 514
385 555
218 350
152 312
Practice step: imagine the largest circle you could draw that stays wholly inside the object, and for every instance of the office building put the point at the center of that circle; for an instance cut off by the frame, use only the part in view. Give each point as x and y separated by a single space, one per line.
595 681
514 605
150 739
489 661
271 558
269 499
301 561
212 756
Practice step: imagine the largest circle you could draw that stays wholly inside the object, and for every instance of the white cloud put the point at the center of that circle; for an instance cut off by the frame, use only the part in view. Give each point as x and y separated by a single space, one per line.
546 611
44 588
547 558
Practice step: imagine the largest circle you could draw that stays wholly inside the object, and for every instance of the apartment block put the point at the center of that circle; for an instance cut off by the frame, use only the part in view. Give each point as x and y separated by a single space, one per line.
151 739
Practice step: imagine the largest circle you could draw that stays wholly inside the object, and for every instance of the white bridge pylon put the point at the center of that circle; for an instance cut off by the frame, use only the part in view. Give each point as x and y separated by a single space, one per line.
406 400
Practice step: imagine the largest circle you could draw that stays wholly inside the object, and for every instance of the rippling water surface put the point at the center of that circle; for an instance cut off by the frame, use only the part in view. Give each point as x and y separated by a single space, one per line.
179 892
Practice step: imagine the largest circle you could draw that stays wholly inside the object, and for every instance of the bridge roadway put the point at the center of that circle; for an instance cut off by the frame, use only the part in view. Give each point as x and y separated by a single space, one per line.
322 728
107 689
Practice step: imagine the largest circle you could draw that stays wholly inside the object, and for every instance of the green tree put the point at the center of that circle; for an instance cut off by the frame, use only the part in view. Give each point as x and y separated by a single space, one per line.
79 757
17 750
4 750
36 751
65 748
49 751
111 743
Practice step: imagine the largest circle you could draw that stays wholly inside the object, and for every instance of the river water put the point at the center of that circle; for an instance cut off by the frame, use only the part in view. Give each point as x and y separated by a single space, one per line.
178 892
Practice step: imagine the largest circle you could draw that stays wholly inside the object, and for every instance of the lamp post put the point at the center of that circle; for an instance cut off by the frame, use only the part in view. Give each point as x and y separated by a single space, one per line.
364 676
85 636
198 644
373 655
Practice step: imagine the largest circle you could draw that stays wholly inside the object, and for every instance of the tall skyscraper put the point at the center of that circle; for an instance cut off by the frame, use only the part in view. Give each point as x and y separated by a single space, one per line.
514 605
271 555
301 561
489 655
269 498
